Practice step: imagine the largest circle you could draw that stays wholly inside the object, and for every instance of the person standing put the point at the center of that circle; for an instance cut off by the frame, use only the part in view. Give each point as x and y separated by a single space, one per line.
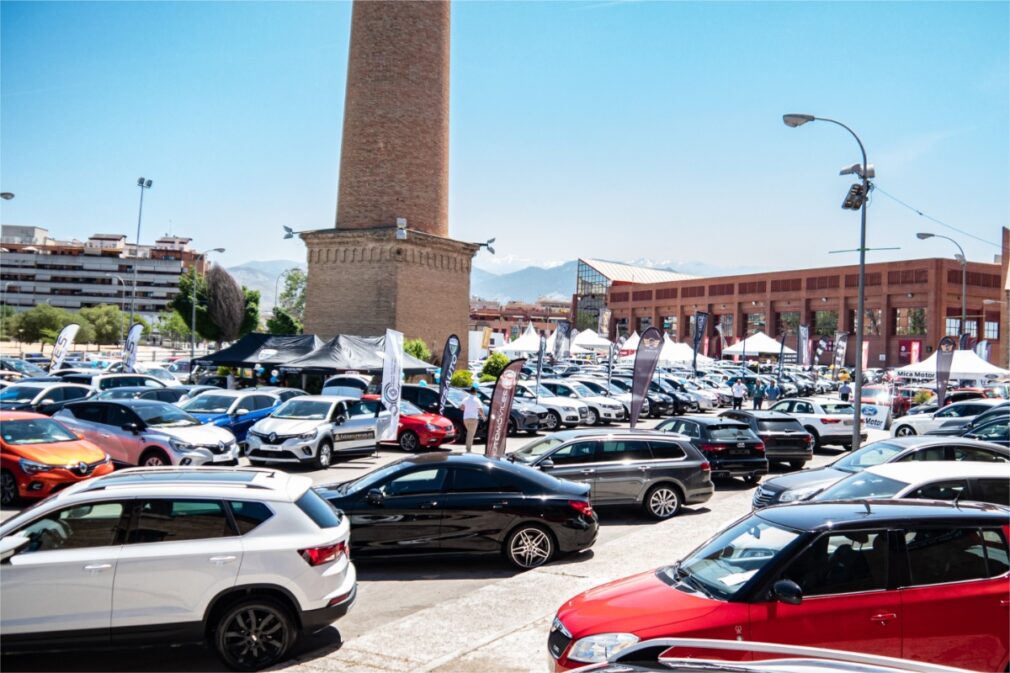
773 392
759 394
473 412
845 391
739 390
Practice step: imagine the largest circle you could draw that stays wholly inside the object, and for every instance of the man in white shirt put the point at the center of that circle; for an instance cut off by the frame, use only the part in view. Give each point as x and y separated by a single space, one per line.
473 411
739 390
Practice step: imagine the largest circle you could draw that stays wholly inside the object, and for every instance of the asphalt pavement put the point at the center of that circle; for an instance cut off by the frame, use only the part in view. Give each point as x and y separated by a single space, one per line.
448 615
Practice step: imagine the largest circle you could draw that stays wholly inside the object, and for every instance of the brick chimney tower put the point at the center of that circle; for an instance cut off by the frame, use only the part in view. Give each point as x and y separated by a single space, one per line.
389 262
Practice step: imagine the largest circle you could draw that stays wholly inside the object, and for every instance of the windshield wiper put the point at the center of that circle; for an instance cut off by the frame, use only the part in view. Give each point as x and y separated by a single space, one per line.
690 580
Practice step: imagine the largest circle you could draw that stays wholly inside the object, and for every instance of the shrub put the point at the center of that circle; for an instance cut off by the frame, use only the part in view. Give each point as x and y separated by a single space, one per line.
922 397
461 379
487 378
418 349
494 365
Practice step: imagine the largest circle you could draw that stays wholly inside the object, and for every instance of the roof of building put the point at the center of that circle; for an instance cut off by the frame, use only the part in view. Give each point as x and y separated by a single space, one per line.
616 271
107 237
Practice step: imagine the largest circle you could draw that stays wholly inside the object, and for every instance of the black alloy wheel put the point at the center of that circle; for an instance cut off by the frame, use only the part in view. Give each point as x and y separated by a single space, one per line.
513 428
752 479
8 488
796 464
254 634
817 438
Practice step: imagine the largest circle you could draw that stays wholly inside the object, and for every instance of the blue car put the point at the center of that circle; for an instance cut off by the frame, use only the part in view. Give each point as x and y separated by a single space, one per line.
235 410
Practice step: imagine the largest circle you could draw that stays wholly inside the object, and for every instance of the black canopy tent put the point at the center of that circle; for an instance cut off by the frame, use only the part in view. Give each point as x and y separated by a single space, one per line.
261 349
345 353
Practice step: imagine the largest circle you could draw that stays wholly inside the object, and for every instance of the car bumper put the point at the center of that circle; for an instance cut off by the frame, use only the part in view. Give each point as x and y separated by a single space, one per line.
337 607
611 414
577 534
528 423
738 468
207 457
45 483
700 494
290 451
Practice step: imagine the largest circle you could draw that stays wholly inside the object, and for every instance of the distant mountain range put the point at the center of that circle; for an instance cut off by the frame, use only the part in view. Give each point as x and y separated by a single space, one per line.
263 276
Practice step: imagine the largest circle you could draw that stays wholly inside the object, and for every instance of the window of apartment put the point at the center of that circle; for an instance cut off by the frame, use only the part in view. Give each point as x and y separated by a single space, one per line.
909 321
991 330
871 322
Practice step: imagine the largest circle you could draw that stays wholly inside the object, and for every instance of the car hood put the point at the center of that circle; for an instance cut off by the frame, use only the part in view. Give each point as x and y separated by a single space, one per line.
16 406
638 604
601 400
210 418
58 453
434 419
286 426
562 402
804 479
195 434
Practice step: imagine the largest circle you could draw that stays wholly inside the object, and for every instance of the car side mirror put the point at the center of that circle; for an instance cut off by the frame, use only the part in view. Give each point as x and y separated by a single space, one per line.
10 545
374 497
339 420
131 427
546 464
241 412
787 591
47 401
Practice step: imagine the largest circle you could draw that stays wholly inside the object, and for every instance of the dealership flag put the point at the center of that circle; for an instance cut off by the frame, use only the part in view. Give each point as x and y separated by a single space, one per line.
540 364
982 349
782 354
561 336
392 373
646 358
63 343
700 323
915 352
803 345
501 408
130 347
944 359
604 323
841 344
866 353
965 343
450 355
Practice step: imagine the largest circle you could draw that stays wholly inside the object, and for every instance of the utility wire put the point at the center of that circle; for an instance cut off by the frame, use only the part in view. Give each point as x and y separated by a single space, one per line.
918 212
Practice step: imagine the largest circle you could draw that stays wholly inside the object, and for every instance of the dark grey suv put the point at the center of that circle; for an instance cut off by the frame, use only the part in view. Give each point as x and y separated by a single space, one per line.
658 471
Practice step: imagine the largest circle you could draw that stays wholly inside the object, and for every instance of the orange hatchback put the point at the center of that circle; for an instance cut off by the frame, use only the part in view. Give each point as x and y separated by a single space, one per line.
39 455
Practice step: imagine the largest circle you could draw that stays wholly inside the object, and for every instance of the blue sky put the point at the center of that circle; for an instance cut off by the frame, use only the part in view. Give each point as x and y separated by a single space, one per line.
621 130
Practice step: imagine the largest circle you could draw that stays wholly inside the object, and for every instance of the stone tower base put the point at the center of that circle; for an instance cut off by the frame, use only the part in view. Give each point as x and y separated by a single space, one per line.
363 281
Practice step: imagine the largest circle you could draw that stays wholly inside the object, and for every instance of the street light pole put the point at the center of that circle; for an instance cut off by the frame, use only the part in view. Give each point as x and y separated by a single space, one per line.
277 284
192 301
794 120
144 185
122 301
963 261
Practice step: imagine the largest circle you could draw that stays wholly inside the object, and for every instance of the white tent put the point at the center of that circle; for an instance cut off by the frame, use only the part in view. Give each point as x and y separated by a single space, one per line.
572 348
965 365
587 338
631 345
528 342
757 344
679 353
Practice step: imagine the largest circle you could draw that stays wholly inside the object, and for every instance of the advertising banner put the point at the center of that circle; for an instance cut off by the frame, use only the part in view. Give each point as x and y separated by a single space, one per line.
450 355
944 359
64 342
965 342
392 374
561 336
540 364
803 345
501 407
646 359
983 349
875 415
485 338
130 347
603 327
700 327
866 354
841 345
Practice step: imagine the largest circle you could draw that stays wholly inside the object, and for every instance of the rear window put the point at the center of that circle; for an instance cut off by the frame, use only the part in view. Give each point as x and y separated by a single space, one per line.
249 514
730 432
779 426
322 513
831 408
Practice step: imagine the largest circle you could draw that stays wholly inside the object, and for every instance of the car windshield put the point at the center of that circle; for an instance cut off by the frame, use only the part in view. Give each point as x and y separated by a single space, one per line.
164 416
26 368
868 456
35 431
581 390
119 394
838 408
721 567
862 485
209 404
531 452
19 394
303 410
730 432
543 391
409 409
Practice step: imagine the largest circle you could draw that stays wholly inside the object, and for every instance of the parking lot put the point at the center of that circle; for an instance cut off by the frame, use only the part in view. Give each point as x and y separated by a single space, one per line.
472 614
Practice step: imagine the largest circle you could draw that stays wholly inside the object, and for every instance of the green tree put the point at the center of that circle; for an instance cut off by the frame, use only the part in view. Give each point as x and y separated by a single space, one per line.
41 321
418 349
494 365
172 326
282 322
825 323
461 378
8 322
251 313
292 297
108 322
205 327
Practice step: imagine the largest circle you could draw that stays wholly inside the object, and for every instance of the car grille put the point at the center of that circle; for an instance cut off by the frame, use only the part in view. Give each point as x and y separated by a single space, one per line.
542 415
583 412
763 497
84 469
266 437
260 453
558 640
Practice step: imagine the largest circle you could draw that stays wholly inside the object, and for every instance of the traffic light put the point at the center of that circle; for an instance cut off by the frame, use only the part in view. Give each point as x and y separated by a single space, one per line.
854 199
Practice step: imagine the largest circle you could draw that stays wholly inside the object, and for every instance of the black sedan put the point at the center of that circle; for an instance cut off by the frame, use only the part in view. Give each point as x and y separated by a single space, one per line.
438 503
785 439
730 446
996 431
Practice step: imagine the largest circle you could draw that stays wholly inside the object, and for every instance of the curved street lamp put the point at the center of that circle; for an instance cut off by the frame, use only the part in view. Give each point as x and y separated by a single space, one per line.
144 185
794 121
962 259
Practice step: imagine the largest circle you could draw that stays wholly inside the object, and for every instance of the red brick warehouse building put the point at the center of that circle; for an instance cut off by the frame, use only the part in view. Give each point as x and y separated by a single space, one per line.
909 301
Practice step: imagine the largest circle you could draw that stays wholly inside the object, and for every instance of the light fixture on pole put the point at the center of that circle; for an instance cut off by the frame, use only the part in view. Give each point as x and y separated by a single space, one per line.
6 196
192 302
793 121
144 186
488 244
963 261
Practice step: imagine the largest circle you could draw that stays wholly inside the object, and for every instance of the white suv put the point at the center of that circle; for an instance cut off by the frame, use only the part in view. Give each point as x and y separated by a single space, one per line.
242 558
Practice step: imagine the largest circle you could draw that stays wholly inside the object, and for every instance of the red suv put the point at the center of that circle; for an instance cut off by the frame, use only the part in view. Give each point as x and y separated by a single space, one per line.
922 580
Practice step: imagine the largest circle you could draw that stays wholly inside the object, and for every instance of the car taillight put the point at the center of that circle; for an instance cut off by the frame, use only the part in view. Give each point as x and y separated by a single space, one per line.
584 508
317 556
713 447
706 466
760 446
830 421
810 439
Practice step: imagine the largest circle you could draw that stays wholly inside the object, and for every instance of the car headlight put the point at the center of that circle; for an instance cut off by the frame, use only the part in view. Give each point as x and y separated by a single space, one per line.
798 494
31 467
430 427
180 446
593 649
309 435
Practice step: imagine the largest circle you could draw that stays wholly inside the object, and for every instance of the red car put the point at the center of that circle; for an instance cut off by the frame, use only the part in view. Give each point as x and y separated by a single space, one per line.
420 430
922 580
39 455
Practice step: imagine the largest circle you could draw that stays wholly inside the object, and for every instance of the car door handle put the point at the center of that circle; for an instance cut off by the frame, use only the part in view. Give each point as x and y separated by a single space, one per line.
587 471
499 505
221 560
883 617
644 468
97 568
429 505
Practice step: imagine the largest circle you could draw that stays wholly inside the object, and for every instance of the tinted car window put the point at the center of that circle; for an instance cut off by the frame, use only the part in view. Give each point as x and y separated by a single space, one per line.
939 555
118 416
989 433
803 408
363 409
417 483
248 515
77 527
995 552
625 450
477 481
689 429
74 393
769 425
842 563
996 491
578 452
92 413
55 394
731 432
317 508
941 490
932 453
170 520
666 450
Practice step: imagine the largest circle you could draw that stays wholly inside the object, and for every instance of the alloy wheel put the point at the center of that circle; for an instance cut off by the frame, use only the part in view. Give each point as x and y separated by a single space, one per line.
325 455
663 502
552 421
904 431
154 460
8 488
592 418
408 441
530 547
255 636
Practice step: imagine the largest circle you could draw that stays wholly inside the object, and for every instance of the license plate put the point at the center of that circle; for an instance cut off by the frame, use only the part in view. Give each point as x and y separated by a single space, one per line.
738 452
221 458
270 447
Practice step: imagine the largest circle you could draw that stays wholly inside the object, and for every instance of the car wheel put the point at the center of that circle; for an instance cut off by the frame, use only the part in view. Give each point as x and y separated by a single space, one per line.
154 458
592 418
529 547
817 438
324 456
460 434
662 501
8 488
796 464
409 441
904 431
752 479
254 634
553 421
513 429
